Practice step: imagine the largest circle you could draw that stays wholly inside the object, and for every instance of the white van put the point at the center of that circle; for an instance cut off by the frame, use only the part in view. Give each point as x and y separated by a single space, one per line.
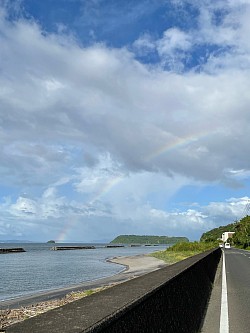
227 245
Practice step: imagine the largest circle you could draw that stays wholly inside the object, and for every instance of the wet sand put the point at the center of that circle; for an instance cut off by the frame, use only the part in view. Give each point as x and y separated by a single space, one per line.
134 266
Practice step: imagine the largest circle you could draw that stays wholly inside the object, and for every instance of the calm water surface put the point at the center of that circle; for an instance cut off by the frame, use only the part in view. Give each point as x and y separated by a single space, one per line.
40 269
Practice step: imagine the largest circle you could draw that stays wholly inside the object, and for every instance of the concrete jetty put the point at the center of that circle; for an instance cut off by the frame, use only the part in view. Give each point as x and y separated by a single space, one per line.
63 248
12 250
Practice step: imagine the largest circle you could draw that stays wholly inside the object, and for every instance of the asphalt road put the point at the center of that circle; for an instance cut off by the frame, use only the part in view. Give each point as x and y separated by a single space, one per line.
238 289
237 267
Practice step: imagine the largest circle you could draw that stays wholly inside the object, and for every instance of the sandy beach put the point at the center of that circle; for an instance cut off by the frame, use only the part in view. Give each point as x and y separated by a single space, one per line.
17 309
138 265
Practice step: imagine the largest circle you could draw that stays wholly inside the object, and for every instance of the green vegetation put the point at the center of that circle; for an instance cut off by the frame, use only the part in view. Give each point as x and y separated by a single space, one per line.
197 247
135 239
240 239
209 240
214 234
183 250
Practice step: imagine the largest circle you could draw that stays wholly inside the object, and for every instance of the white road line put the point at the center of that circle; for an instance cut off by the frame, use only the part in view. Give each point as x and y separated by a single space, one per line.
224 326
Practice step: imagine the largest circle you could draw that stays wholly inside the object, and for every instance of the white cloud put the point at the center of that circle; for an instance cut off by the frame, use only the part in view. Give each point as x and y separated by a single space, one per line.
24 206
144 45
221 32
122 134
100 99
173 40
131 206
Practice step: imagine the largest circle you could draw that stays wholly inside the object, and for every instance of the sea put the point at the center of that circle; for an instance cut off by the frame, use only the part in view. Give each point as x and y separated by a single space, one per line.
40 269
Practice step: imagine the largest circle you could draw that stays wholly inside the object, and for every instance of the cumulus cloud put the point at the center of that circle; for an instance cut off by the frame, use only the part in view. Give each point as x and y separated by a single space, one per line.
54 215
99 121
103 98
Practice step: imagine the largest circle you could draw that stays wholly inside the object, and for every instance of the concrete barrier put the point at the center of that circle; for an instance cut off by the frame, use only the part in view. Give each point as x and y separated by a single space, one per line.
172 299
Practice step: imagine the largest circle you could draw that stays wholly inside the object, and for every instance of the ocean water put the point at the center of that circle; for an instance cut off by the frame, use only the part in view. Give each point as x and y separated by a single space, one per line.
40 269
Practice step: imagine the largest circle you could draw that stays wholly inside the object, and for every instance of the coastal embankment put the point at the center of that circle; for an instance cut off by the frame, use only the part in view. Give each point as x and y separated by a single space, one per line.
171 299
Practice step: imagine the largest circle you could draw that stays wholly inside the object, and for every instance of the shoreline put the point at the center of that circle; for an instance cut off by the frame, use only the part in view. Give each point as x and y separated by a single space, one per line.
134 266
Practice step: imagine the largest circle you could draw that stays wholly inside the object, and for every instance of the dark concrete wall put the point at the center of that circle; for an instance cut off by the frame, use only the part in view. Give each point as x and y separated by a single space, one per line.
172 299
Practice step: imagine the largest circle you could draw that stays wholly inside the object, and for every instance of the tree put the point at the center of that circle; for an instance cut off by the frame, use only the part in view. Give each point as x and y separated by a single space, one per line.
241 237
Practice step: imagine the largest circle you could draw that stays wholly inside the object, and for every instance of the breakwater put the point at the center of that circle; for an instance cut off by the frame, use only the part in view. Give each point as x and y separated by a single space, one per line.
65 248
172 299
12 250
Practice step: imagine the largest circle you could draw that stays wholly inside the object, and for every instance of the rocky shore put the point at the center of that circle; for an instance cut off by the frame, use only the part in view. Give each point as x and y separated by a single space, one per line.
12 316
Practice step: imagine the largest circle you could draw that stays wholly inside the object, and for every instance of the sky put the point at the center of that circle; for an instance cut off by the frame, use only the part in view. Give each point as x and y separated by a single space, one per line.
123 117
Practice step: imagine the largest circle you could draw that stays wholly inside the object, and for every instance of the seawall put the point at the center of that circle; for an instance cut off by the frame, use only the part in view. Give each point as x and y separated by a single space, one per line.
172 299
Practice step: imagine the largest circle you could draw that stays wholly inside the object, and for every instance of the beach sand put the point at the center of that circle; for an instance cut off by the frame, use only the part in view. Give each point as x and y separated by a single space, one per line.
138 265
15 310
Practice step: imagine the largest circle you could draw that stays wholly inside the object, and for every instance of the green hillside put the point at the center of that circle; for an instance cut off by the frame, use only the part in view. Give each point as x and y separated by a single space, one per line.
135 239
241 238
214 234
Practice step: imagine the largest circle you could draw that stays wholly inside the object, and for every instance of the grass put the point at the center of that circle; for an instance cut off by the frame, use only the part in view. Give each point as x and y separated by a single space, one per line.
181 251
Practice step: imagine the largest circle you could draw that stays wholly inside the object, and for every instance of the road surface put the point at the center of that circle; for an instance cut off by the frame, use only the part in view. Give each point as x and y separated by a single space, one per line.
229 306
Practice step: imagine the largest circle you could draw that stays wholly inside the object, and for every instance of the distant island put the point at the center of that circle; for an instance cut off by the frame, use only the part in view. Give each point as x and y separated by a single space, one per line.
135 239
51 242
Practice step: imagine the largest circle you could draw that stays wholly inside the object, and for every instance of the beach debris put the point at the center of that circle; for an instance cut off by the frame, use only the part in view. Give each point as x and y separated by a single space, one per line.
11 316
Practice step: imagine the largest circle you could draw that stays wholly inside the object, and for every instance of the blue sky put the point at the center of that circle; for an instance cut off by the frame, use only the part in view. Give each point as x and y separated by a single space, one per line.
123 117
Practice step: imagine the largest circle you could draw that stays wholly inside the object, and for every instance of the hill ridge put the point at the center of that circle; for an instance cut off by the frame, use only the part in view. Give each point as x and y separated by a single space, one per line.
147 239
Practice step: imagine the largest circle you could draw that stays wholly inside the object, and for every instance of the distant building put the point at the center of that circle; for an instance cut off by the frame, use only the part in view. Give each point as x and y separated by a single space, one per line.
226 235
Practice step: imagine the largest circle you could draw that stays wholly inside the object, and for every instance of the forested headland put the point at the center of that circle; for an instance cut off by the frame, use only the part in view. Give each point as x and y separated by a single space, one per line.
136 239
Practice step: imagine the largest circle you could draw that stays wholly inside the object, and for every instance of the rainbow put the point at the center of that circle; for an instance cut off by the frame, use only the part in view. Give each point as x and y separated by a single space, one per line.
66 228
176 143
107 186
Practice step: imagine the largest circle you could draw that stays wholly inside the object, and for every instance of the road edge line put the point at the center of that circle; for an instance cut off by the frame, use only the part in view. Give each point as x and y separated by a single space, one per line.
224 325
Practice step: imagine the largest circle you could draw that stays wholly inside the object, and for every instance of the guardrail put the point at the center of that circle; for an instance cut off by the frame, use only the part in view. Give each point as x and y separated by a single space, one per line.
172 299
